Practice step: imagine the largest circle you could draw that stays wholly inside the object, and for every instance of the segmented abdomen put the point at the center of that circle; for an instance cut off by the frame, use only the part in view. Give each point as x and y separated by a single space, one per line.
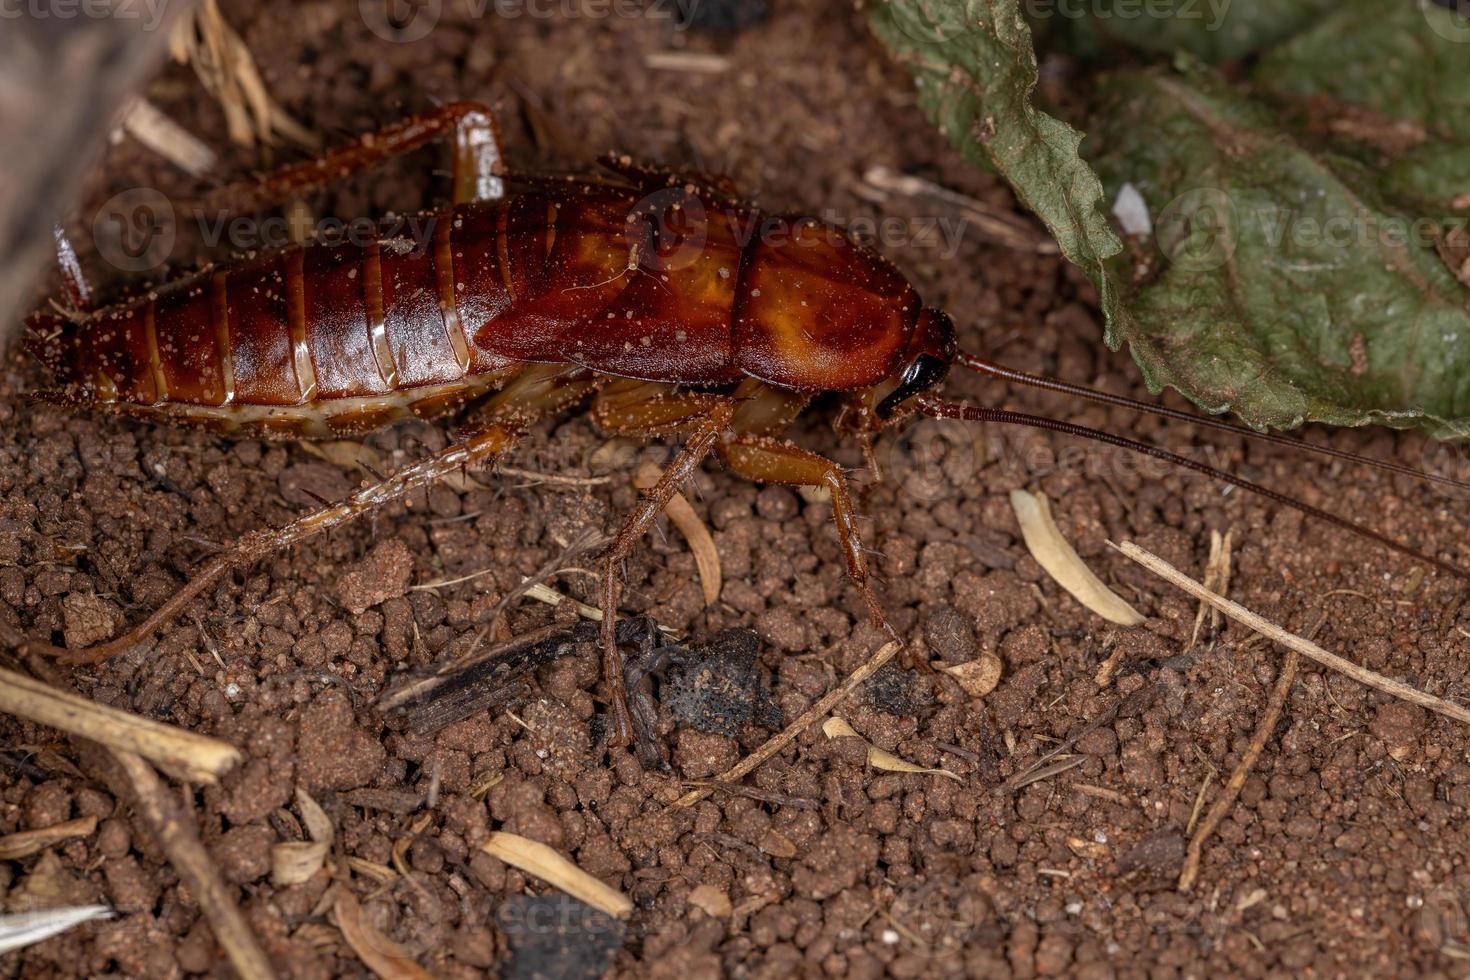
343 337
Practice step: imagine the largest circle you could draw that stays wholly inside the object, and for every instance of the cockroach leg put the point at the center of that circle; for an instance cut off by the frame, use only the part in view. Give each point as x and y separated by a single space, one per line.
73 279
478 163
767 460
704 440
488 442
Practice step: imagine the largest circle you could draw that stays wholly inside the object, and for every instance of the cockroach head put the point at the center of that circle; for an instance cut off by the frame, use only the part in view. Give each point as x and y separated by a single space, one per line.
924 364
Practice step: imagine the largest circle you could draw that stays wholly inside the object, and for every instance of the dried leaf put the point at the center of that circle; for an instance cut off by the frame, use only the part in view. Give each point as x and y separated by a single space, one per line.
379 953
977 677
545 863
778 844
1053 553
295 862
836 727
26 843
318 824
25 928
711 900
706 555
1089 849
1286 282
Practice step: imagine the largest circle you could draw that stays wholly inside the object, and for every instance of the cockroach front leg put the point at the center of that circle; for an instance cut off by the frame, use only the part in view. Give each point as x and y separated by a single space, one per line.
490 441
763 459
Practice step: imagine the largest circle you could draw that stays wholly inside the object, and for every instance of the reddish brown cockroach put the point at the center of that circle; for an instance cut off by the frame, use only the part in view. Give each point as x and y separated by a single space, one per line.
676 308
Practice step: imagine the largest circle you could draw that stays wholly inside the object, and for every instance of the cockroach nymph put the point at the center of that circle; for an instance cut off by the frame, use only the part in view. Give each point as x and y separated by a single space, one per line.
662 298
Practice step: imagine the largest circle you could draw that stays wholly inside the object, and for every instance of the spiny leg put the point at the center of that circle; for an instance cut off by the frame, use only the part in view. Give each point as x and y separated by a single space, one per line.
478 162
767 460
490 441
649 410
73 279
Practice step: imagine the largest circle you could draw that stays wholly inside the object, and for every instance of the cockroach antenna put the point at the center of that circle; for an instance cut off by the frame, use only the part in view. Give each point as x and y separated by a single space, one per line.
981 366
940 408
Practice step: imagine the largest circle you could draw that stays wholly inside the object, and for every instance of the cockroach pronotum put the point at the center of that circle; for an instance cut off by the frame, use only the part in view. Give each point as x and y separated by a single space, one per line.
676 308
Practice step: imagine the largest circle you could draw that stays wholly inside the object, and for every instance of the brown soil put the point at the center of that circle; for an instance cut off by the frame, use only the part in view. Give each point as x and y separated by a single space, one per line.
1345 855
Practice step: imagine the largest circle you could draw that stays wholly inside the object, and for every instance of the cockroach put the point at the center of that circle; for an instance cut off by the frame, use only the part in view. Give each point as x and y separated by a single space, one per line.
673 306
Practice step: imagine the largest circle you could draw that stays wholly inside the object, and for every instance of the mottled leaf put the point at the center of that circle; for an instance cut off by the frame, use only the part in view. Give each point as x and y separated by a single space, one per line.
1394 79
1214 30
975 70
1282 281
1279 283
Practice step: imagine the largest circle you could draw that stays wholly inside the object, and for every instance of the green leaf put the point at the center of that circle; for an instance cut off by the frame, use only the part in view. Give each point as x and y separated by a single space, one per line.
1279 283
975 70
1276 286
1393 78
1212 30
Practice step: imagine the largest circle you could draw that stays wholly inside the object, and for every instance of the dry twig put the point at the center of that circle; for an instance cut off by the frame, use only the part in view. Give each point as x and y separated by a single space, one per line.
196 758
777 742
180 841
1237 779
1291 641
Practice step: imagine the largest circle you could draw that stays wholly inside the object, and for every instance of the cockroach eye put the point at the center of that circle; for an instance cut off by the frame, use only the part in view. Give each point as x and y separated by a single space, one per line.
923 373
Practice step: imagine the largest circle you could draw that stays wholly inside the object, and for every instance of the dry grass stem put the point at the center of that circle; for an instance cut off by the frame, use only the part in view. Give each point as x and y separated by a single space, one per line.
701 543
693 62
179 839
195 758
1101 793
1291 641
227 71
147 124
1237 779
550 866
995 224
1054 553
779 741
22 929
1217 579
1046 772
24 844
